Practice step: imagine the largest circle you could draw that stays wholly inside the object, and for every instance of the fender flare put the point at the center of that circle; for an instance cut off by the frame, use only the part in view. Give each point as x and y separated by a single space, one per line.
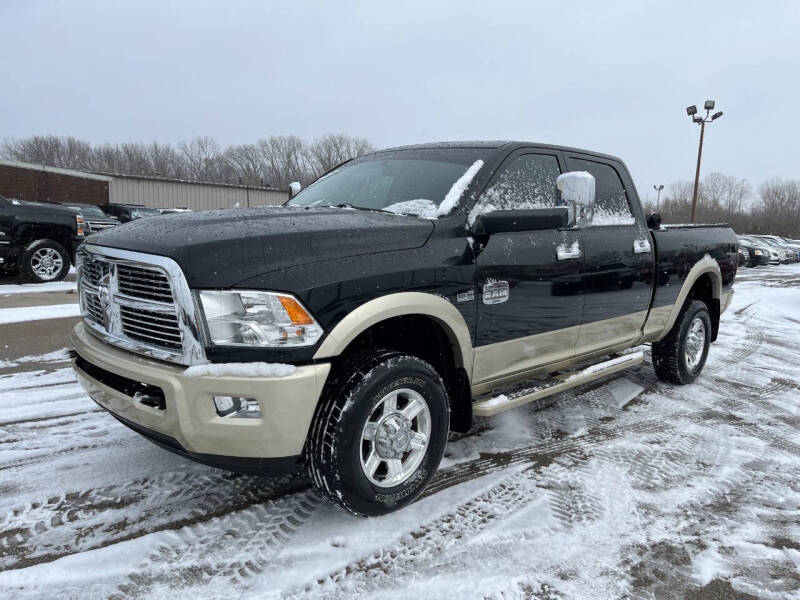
398 305
705 265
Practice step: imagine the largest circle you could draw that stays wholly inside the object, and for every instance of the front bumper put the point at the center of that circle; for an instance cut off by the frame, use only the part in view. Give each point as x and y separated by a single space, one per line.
188 423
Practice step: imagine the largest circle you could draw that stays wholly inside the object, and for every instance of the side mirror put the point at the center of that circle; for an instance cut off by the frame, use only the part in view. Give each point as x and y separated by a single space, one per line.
294 189
501 221
577 189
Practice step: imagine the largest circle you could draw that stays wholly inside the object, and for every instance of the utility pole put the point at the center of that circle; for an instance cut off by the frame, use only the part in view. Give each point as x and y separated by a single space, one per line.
692 112
658 189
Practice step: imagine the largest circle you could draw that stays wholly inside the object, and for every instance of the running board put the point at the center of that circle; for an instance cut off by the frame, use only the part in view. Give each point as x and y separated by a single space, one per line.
493 403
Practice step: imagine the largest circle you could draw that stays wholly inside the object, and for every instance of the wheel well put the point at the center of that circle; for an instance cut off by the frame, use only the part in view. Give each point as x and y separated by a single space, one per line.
57 234
703 290
425 337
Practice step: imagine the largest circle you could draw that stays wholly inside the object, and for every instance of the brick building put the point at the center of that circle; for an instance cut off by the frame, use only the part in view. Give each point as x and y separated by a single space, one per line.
39 183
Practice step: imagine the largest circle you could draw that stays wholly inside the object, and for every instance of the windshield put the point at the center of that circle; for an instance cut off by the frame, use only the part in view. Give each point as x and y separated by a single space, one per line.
88 210
138 213
405 181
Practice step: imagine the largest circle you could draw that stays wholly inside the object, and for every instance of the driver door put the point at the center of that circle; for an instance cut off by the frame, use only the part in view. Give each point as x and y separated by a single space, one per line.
529 302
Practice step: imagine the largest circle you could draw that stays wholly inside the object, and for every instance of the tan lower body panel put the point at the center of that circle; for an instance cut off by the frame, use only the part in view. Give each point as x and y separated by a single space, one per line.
287 403
506 361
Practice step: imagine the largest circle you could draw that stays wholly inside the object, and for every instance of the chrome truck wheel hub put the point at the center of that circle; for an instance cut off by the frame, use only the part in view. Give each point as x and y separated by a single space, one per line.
46 263
695 343
395 437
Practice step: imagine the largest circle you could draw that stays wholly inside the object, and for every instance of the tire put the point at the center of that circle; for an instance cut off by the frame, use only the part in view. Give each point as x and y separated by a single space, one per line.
44 261
341 447
681 355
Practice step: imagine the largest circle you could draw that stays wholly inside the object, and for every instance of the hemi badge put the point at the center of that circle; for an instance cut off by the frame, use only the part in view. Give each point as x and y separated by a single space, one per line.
467 296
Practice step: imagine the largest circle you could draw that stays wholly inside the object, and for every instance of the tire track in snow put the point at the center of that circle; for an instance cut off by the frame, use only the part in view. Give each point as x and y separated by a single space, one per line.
223 552
79 521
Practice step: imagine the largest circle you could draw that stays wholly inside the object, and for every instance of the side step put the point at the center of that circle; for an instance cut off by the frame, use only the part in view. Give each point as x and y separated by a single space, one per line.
492 403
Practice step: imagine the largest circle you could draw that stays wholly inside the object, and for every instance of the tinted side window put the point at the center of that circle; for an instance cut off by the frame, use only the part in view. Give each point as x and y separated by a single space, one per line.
611 204
528 182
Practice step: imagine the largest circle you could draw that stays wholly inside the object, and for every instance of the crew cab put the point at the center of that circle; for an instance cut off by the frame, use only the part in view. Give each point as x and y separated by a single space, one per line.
394 299
39 239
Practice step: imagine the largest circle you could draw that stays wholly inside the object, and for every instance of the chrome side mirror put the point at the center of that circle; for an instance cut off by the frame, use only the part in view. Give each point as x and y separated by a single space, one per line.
578 192
294 189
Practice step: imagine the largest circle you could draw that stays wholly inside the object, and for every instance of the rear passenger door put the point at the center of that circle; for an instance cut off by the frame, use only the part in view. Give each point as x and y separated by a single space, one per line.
617 280
529 302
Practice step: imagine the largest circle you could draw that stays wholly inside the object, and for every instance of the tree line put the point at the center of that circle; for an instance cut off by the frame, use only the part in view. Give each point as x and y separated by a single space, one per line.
273 161
772 208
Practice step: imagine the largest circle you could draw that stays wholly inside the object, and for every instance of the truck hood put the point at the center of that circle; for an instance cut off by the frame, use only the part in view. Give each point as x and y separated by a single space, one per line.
219 249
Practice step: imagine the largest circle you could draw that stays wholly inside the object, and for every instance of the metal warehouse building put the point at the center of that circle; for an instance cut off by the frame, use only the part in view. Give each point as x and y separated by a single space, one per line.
39 183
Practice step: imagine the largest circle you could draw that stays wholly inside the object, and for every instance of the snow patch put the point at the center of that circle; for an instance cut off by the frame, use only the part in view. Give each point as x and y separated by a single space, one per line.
255 369
419 207
38 313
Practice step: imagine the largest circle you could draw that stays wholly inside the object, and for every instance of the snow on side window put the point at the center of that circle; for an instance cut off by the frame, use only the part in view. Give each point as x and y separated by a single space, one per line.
611 205
528 182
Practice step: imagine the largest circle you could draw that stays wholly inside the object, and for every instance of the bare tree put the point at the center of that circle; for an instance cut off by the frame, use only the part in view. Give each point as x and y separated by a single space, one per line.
333 149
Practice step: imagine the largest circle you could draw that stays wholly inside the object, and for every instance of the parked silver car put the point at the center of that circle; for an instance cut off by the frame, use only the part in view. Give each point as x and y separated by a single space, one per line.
787 255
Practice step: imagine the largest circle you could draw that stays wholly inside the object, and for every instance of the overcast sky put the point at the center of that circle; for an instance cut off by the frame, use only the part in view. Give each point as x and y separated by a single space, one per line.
613 77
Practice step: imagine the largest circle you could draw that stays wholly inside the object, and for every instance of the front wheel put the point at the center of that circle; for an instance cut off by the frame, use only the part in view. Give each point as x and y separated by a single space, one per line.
379 432
44 261
681 355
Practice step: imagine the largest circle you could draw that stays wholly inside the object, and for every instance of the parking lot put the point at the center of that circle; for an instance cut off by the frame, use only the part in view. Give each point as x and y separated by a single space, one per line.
624 488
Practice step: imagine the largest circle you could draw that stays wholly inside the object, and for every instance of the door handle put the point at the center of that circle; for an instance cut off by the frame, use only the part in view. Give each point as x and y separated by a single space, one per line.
641 246
564 252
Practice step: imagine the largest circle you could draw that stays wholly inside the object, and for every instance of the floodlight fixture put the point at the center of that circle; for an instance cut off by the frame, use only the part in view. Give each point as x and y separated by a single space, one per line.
709 105
691 110
716 116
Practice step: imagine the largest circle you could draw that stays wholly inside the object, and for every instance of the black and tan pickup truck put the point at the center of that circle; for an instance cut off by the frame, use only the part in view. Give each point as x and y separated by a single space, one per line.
393 300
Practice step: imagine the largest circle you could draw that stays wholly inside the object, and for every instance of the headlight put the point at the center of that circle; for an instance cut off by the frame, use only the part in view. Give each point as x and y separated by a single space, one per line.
80 226
264 319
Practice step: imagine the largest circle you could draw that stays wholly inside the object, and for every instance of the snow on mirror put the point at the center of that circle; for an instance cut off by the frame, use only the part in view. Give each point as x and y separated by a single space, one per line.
577 187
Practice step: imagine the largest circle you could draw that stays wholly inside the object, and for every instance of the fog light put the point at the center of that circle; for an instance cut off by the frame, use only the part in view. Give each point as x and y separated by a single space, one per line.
237 406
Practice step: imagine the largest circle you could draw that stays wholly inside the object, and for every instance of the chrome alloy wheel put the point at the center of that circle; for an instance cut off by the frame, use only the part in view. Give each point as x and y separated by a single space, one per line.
395 437
695 343
46 263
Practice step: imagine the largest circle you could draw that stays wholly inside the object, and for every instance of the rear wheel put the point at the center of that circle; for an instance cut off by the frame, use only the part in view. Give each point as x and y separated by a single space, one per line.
43 261
681 355
379 432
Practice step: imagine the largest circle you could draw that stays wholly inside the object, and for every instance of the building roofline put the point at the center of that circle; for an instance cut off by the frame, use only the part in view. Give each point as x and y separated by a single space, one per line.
103 176
54 170
169 180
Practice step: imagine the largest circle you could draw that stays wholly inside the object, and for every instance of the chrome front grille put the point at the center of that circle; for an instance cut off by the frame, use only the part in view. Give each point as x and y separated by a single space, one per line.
143 282
151 327
95 226
139 302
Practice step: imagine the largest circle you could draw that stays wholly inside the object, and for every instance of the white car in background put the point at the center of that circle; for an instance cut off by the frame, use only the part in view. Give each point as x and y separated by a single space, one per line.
786 253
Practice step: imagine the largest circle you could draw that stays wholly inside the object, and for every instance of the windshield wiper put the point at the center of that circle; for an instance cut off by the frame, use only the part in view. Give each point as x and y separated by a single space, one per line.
348 205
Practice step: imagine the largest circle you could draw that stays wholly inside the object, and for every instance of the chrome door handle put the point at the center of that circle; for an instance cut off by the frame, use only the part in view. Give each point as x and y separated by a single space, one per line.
641 246
564 252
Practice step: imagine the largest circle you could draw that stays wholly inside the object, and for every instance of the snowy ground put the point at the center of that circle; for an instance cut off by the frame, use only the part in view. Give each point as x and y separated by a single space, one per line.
625 488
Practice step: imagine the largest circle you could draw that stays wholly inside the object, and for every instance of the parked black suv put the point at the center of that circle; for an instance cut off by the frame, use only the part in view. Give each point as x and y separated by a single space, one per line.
129 212
402 293
38 239
93 216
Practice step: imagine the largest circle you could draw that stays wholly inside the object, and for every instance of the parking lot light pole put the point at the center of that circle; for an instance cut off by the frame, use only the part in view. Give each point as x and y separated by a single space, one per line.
658 189
692 112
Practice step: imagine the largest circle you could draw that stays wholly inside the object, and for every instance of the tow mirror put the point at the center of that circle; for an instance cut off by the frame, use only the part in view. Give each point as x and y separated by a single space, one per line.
294 189
534 219
577 191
